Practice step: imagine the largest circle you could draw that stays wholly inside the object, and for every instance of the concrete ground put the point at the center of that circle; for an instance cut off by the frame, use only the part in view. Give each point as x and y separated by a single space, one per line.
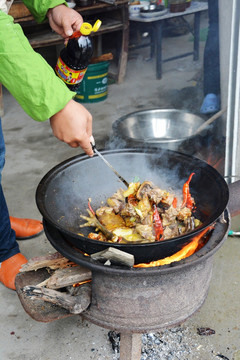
32 151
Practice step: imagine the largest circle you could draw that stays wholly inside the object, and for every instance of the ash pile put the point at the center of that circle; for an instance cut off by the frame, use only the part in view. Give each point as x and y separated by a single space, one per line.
178 343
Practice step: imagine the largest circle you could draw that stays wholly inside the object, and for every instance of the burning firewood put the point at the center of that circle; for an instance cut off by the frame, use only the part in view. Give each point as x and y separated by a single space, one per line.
65 277
68 284
74 304
52 261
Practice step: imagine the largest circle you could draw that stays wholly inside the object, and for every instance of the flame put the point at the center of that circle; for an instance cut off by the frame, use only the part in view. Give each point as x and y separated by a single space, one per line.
81 283
215 162
186 251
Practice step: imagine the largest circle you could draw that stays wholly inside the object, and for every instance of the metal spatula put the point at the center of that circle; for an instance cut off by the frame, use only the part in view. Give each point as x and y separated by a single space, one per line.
106 162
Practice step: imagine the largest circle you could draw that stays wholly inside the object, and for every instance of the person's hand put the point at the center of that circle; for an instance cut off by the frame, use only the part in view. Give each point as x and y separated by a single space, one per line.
73 125
64 20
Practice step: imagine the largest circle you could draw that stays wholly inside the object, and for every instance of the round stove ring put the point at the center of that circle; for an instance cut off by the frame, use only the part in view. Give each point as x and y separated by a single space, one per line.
217 238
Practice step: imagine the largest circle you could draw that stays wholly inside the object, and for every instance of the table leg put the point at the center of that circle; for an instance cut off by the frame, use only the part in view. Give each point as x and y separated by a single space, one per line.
130 346
124 47
158 34
196 36
152 42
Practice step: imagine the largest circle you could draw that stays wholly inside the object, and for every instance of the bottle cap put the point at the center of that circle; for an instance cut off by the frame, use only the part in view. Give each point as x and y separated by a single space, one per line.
97 25
87 28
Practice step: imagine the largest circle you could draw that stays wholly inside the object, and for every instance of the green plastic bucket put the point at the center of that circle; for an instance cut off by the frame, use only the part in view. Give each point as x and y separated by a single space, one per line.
94 86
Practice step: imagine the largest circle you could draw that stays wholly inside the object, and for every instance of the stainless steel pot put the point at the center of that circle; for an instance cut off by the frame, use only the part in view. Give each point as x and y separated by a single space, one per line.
166 128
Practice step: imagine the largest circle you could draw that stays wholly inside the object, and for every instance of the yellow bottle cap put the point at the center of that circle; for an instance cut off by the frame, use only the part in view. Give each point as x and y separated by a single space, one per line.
87 28
97 25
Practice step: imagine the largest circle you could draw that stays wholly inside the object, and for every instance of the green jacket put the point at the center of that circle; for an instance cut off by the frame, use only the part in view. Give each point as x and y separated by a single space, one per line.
25 73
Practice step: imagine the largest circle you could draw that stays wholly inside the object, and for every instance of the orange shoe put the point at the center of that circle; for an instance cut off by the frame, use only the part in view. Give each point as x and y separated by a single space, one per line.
26 228
10 268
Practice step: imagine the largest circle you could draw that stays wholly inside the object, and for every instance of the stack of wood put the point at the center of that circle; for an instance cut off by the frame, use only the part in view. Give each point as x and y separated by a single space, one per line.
69 284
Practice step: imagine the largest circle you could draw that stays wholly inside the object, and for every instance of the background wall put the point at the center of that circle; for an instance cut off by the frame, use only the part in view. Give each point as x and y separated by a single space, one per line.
229 21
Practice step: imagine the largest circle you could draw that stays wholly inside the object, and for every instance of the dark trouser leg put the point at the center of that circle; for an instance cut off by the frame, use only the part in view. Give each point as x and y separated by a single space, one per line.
8 244
211 52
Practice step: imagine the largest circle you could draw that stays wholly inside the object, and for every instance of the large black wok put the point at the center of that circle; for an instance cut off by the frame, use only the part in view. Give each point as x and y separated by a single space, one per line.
62 195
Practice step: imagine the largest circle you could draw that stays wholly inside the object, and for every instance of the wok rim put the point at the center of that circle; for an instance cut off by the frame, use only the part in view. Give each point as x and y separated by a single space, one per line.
78 158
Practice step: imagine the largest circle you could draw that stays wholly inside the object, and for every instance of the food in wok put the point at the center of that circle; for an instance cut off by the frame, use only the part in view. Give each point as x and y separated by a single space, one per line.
143 213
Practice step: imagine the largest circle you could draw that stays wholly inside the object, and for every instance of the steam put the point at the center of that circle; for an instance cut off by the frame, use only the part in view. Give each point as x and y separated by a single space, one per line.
115 142
165 177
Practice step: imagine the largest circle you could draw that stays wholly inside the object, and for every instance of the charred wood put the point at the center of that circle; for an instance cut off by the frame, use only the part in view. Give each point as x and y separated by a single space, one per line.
205 331
65 277
74 304
52 261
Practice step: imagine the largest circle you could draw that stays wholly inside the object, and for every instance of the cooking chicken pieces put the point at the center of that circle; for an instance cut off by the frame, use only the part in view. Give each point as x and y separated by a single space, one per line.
143 213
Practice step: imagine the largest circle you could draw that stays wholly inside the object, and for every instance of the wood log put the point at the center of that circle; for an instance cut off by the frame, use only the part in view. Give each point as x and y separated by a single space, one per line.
114 256
74 304
65 277
51 261
104 57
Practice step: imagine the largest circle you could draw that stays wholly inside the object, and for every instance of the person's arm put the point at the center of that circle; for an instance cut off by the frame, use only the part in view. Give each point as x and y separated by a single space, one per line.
39 8
42 94
27 76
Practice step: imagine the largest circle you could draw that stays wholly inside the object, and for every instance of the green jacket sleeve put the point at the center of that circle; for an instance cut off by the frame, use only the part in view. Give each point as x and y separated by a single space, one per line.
27 76
39 8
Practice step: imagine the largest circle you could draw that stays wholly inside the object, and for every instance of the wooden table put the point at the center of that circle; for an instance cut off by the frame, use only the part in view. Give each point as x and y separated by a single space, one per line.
114 18
156 25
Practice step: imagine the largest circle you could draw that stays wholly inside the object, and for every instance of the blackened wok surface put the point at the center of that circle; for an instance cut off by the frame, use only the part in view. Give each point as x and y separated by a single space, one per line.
63 193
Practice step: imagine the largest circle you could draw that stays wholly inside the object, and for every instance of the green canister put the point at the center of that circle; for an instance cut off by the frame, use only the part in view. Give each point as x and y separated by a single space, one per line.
94 86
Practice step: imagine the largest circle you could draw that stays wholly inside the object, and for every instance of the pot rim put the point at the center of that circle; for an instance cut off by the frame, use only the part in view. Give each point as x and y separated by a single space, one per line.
157 141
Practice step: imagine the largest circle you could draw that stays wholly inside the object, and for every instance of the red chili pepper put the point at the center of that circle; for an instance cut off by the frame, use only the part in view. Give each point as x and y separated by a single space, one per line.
174 203
187 199
157 223
90 208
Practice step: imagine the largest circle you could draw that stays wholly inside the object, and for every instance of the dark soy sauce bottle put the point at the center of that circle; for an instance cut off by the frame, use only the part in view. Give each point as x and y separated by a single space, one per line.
74 58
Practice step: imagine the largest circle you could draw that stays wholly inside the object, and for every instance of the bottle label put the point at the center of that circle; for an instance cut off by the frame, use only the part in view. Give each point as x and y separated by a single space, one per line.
68 75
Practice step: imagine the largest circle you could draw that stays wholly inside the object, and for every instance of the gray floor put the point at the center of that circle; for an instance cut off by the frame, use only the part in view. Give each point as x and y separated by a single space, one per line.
32 151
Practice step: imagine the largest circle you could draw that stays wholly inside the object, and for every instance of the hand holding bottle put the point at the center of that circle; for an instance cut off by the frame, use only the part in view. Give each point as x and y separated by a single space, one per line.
64 20
73 125
75 56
